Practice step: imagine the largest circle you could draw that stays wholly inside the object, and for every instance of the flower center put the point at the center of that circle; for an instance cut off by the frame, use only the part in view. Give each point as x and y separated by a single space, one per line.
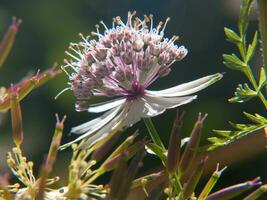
137 91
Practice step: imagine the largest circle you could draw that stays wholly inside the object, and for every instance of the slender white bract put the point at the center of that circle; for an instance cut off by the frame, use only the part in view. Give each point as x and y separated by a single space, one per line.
121 64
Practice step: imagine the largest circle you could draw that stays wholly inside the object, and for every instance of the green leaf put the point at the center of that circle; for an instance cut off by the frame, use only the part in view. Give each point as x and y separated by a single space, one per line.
233 62
252 47
244 16
157 150
223 133
228 136
262 80
153 132
232 36
238 126
242 94
255 118
216 140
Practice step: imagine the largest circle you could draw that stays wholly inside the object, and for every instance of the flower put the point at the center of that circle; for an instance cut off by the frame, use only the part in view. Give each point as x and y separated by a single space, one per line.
122 63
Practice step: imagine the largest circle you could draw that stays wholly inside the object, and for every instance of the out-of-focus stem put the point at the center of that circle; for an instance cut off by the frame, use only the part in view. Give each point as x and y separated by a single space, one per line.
24 87
262 7
257 193
8 40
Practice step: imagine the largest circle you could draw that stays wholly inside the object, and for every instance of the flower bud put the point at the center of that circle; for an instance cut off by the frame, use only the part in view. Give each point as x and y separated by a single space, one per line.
16 117
210 184
191 184
155 50
119 75
174 144
118 176
90 83
181 53
81 106
257 193
105 148
164 70
8 40
163 58
235 190
148 178
129 74
101 54
79 91
90 58
127 57
190 151
55 143
138 44
100 70
24 87
131 151
85 72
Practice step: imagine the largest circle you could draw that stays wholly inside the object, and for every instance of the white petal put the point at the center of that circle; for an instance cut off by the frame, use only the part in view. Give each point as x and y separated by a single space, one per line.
168 102
141 108
188 88
97 123
185 141
105 130
101 107
152 105
152 109
103 126
136 108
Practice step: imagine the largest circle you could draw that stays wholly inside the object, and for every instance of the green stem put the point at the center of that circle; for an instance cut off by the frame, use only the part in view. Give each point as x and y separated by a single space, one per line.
153 133
262 7
251 78
97 173
242 47
264 101
176 184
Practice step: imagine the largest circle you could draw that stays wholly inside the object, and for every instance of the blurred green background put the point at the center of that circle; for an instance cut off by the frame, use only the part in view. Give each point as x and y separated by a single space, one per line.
48 27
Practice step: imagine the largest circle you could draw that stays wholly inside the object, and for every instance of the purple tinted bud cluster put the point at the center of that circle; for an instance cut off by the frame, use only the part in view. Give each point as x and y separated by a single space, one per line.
125 57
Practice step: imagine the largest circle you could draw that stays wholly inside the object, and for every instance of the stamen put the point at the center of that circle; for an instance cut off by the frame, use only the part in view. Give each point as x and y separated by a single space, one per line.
159 26
94 57
165 24
85 39
97 34
64 70
113 23
104 25
146 18
74 57
171 41
69 65
78 51
129 19
130 16
61 92
118 21
151 22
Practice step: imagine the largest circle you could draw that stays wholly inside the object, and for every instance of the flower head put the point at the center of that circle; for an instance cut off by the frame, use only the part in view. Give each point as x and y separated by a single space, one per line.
122 63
